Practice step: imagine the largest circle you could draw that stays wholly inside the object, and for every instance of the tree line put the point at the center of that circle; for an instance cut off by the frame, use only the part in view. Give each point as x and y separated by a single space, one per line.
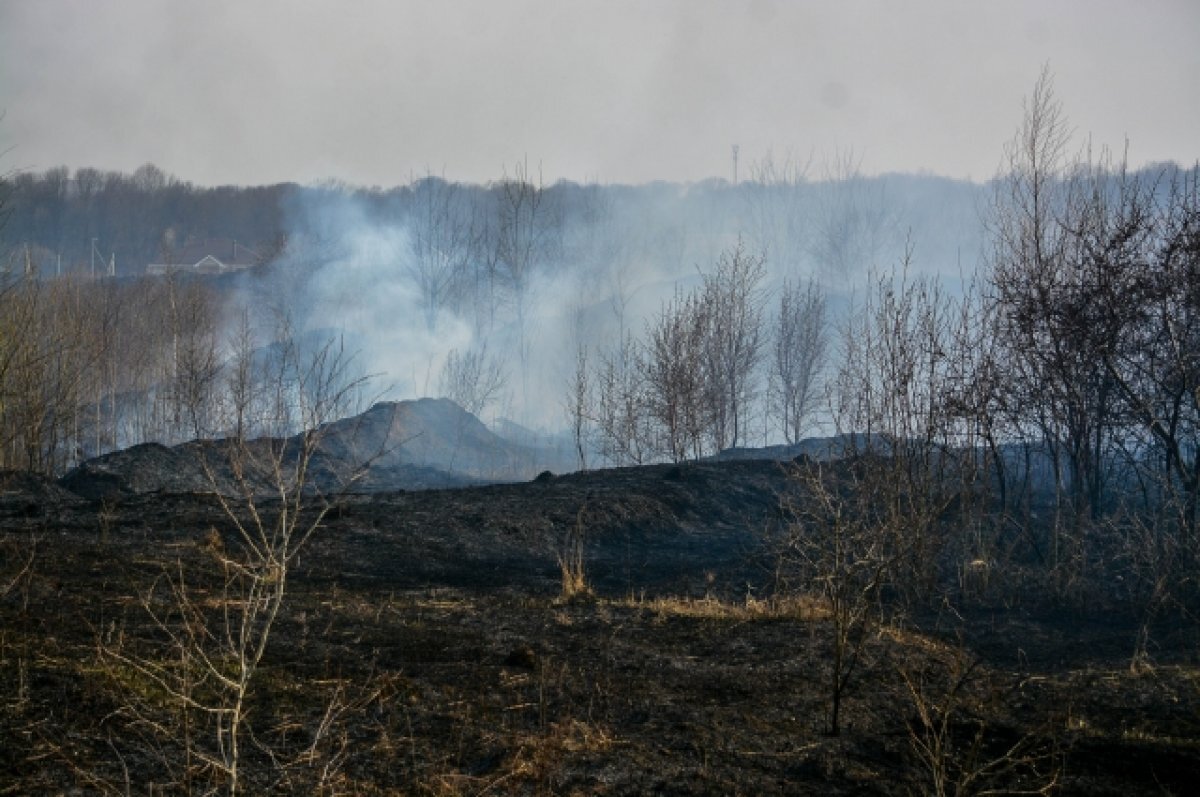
475 254
1033 438
713 361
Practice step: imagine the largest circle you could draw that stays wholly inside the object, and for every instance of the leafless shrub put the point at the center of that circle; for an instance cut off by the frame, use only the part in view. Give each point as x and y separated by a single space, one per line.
958 750
909 439
190 686
836 545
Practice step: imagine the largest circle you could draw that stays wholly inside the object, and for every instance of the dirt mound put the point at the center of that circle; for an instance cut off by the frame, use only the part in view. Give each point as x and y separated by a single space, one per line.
145 468
432 433
408 445
25 495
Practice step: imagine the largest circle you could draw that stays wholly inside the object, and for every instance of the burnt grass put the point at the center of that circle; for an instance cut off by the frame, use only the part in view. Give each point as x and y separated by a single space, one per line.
432 621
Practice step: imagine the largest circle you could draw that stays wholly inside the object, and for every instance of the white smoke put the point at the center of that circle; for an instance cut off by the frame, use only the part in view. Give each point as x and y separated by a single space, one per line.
348 270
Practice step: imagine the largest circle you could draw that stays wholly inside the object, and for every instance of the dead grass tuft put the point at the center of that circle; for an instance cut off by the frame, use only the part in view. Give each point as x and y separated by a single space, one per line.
800 607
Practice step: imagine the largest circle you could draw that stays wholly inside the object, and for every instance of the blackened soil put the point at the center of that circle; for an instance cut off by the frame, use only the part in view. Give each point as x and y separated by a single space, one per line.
425 634
690 530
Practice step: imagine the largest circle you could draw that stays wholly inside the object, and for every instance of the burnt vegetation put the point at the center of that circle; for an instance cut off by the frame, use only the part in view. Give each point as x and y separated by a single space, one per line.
980 578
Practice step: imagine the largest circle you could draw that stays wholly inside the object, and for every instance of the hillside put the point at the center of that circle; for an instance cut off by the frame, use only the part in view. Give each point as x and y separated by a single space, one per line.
424 648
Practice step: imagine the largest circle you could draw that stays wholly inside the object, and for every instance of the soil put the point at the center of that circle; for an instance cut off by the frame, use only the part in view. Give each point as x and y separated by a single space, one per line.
433 622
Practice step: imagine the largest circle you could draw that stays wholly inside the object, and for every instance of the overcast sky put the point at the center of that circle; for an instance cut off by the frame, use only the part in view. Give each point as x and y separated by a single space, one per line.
248 92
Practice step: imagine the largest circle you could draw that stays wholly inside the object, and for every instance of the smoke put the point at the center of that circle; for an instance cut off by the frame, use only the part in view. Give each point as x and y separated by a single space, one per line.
612 257
346 275
365 293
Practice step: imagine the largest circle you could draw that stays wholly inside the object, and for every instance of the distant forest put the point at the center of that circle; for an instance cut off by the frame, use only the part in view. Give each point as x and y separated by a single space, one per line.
54 217
63 222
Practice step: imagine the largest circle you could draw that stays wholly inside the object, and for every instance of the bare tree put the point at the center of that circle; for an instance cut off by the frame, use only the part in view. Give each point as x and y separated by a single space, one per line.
777 210
1066 235
1133 309
473 379
620 404
241 383
678 391
578 405
1150 304
852 221
54 349
1030 258
18 303
441 237
732 316
195 365
522 231
527 236
798 355
5 185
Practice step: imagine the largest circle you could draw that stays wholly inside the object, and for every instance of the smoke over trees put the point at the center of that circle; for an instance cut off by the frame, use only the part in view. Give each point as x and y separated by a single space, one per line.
443 236
413 272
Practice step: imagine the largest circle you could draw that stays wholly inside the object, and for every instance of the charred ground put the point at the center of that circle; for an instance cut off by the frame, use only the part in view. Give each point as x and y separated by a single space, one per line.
432 621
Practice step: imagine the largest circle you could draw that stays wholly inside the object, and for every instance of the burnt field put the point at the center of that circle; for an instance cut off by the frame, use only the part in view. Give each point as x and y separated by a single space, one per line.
425 646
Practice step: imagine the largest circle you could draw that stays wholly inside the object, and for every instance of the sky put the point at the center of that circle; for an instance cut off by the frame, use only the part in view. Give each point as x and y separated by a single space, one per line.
376 92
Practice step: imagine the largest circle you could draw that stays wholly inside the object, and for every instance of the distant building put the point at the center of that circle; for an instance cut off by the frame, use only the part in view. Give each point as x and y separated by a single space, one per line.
211 257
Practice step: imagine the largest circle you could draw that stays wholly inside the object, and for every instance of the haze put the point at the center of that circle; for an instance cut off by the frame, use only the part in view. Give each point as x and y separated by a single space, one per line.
375 92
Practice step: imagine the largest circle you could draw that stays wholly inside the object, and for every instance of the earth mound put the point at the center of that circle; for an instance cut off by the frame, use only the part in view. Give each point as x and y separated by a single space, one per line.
406 445
145 468
432 433
28 496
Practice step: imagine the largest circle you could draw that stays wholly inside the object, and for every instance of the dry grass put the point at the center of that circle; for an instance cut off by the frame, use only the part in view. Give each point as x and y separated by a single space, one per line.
800 607
531 765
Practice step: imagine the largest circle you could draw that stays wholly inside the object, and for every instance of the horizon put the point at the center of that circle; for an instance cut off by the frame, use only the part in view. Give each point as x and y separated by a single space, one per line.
330 183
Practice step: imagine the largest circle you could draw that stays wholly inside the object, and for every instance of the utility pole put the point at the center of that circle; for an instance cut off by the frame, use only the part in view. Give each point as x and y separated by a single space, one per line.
94 257
735 157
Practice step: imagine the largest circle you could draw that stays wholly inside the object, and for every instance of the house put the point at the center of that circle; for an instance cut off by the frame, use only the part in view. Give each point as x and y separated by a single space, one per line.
210 257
